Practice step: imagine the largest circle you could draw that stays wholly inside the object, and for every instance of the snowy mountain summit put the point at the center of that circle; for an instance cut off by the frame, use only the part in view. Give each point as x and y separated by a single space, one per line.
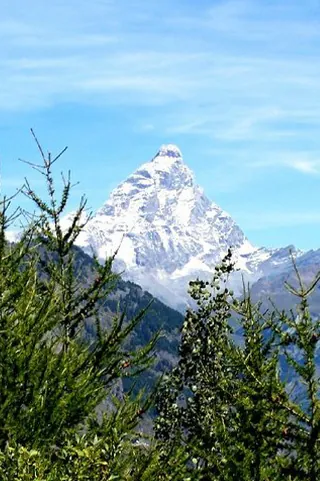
169 150
166 230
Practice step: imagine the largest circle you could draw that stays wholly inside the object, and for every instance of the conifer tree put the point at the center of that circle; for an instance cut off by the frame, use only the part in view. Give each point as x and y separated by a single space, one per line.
52 379
258 403
299 335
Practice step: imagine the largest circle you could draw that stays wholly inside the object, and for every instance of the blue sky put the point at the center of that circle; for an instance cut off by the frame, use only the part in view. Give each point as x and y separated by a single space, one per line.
235 84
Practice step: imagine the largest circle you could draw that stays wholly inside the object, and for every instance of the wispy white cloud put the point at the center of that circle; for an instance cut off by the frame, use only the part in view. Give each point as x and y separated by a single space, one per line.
305 166
303 162
111 48
236 72
253 20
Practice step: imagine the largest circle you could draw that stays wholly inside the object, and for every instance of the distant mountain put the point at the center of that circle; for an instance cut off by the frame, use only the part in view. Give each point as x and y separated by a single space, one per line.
272 285
168 232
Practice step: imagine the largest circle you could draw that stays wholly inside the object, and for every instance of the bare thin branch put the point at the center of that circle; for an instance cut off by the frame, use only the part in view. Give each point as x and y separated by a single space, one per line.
39 146
58 156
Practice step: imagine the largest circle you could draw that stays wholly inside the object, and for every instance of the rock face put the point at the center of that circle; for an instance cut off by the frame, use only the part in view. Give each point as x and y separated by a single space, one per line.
168 232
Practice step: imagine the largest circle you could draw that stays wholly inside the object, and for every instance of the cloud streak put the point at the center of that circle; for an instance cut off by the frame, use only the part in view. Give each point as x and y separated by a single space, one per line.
303 162
227 72
102 54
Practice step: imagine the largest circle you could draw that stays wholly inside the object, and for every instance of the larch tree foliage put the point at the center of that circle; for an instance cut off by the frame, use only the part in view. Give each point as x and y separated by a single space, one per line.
299 336
261 418
231 406
52 379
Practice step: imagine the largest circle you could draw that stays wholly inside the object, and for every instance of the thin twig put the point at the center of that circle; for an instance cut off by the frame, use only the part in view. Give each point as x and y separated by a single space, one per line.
58 156
39 146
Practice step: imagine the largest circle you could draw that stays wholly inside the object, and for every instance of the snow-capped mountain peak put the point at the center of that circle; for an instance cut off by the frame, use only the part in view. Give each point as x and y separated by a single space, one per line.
166 229
169 150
